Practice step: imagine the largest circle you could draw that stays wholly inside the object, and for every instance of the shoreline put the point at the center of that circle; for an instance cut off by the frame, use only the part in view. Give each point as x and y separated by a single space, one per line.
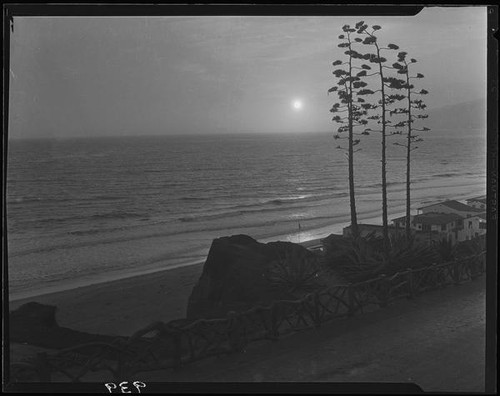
315 236
127 302
26 295
123 306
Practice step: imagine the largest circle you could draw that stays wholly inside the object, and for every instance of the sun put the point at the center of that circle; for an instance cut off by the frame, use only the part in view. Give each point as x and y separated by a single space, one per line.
297 105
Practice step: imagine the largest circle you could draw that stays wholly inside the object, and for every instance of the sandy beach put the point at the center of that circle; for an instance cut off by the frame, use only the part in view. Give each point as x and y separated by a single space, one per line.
123 306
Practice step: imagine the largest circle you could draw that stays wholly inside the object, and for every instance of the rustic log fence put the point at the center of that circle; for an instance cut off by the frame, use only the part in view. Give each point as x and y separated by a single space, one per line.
162 346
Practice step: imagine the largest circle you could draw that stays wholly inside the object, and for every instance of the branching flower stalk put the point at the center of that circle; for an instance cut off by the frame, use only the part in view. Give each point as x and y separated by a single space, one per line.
371 39
347 85
402 66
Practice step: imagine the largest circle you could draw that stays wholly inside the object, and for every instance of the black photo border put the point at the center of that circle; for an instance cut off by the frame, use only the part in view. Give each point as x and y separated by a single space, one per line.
13 10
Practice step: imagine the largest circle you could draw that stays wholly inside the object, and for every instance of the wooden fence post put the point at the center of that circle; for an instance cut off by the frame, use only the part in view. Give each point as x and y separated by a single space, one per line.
235 332
274 322
456 273
177 355
383 283
317 318
350 300
120 372
476 267
43 367
411 291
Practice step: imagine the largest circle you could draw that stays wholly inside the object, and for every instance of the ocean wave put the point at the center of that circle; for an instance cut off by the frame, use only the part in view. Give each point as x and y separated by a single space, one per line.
301 199
105 198
445 175
85 232
21 200
117 215
194 199
28 199
378 185
451 174
194 218
165 233
39 223
280 201
234 213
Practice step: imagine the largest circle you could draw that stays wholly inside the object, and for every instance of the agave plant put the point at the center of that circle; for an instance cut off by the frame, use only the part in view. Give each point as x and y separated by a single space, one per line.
365 258
295 273
404 254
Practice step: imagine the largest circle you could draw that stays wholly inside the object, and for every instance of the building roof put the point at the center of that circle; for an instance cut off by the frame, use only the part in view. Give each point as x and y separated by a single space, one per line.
436 218
401 218
481 199
455 205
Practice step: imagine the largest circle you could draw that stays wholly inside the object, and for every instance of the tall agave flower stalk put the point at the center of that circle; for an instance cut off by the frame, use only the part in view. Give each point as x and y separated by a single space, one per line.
385 99
403 67
349 82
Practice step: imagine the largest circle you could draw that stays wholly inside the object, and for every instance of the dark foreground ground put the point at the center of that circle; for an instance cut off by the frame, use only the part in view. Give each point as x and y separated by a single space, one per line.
436 341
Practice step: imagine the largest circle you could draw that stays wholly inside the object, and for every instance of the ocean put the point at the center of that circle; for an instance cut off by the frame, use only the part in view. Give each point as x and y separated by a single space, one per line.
87 210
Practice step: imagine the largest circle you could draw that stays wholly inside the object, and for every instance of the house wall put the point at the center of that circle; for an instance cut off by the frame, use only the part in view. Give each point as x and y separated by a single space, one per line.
435 227
402 223
399 223
437 232
472 228
428 238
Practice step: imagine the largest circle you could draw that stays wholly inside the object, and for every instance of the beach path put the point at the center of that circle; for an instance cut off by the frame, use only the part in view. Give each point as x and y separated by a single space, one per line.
436 341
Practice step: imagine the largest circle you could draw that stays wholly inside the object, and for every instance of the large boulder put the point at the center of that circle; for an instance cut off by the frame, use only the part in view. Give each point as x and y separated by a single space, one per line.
35 324
34 314
240 273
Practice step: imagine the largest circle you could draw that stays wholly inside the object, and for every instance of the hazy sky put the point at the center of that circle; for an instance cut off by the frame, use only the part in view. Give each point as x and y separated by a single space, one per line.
171 75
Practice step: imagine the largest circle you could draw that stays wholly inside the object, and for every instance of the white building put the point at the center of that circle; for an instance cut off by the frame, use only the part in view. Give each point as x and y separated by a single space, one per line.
437 226
450 226
474 226
400 222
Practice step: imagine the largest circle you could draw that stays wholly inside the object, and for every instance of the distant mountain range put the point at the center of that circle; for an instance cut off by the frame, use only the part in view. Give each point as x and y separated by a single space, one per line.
461 117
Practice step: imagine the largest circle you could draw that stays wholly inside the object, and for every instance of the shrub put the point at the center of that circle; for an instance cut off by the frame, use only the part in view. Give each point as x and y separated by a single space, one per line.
471 247
446 250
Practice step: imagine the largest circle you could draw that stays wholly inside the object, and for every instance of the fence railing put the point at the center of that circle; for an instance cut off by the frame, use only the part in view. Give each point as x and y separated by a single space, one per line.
171 345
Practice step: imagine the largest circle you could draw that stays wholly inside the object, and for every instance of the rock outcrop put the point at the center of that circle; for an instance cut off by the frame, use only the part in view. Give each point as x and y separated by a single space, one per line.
240 273
34 314
35 324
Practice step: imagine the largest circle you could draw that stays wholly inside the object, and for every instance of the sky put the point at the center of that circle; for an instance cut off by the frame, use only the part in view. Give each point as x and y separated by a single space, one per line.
108 76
